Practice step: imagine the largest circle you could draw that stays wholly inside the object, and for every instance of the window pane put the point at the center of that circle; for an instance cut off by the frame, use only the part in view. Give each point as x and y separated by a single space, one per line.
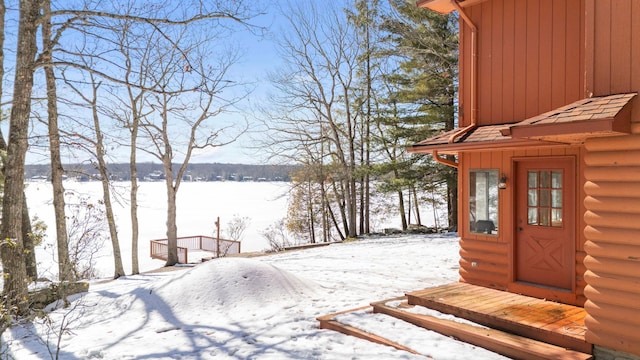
556 217
533 179
532 216
533 197
544 217
556 179
544 179
544 200
483 201
544 197
556 198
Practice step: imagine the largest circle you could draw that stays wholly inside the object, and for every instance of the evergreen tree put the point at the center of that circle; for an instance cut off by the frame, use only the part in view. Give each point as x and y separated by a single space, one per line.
421 94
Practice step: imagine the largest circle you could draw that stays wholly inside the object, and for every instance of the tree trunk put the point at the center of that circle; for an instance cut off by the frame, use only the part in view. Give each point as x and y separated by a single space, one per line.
113 230
135 268
352 194
64 267
31 265
106 192
367 134
133 167
401 208
352 207
341 200
12 250
311 212
325 212
332 215
172 227
416 206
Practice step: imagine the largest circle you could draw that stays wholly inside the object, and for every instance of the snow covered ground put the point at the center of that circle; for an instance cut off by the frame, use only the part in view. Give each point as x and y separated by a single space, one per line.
253 308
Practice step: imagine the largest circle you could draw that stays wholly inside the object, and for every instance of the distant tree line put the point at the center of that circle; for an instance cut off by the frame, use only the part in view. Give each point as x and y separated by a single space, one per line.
194 172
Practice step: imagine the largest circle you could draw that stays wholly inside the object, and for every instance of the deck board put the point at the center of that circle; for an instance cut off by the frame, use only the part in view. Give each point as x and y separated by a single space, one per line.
547 321
504 343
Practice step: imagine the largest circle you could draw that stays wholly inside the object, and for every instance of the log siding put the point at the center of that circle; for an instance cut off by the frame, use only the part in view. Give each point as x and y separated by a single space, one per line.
612 244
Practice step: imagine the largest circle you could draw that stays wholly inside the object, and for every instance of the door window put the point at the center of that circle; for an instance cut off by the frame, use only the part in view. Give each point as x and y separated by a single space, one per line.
544 198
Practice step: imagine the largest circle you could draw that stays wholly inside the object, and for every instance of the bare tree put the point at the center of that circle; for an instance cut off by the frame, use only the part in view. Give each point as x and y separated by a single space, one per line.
97 148
237 226
87 19
64 270
190 94
12 248
29 236
318 91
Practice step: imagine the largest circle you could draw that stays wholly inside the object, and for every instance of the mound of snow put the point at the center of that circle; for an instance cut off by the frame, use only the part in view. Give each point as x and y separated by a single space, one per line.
234 285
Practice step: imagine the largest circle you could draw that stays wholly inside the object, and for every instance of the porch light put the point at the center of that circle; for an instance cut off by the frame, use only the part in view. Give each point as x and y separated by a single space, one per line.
503 182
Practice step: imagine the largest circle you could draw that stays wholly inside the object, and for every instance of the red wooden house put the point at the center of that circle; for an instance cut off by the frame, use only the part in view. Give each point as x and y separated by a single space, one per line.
548 155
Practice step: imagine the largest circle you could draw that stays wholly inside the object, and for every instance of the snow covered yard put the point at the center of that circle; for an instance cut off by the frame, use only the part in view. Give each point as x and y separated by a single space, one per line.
258 308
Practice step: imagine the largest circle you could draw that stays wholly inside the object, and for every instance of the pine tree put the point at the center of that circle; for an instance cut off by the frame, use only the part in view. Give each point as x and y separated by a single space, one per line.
421 96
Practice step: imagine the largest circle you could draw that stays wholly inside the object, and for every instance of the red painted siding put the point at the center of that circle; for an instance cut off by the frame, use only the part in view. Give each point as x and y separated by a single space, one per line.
535 56
487 260
612 175
612 246
528 58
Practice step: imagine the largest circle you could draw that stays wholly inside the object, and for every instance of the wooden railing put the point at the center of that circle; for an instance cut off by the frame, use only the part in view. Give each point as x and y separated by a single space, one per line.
219 247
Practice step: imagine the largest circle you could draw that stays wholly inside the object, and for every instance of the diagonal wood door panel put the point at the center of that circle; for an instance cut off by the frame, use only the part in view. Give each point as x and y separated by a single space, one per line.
545 222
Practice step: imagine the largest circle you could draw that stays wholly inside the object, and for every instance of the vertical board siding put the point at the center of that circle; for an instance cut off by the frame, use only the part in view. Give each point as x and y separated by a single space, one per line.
602 48
545 53
635 57
621 46
464 117
559 68
528 58
532 68
508 58
497 47
612 248
484 59
519 76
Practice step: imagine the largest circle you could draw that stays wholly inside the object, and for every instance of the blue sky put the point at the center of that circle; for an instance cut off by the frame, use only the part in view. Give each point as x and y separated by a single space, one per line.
260 57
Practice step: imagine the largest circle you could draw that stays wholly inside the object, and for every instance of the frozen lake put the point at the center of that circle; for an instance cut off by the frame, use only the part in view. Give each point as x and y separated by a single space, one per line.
199 204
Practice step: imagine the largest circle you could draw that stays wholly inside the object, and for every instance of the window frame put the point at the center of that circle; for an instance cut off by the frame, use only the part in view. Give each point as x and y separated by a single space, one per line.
491 199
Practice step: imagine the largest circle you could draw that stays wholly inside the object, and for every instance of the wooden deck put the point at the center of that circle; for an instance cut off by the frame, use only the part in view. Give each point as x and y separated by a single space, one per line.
215 247
546 321
519 327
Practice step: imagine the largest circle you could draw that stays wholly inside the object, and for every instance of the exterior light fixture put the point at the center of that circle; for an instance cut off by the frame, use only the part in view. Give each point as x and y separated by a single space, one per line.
503 182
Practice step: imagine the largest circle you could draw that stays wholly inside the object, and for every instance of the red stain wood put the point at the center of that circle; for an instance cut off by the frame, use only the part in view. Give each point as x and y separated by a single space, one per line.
535 56
534 318
528 58
504 343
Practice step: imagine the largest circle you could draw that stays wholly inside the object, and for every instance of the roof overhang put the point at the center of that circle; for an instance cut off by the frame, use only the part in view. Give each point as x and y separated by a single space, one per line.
446 6
482 138
569 125
573 124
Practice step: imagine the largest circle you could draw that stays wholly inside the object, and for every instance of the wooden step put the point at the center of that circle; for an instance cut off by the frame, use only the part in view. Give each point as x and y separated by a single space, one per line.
529 317
329 322
501 342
